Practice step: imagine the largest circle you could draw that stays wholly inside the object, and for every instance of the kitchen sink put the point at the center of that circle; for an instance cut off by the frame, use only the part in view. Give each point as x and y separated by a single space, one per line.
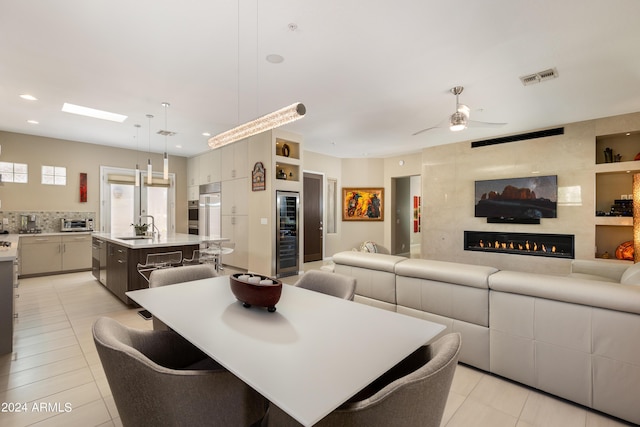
135 238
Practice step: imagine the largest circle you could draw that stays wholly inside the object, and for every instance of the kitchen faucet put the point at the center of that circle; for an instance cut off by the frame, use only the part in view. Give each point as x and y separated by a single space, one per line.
153 224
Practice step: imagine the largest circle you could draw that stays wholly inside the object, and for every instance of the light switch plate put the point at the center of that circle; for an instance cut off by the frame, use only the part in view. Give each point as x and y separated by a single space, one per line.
263 221
5 221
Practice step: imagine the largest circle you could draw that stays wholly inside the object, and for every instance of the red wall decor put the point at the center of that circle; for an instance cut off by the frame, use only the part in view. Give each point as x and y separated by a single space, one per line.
416 214
83 187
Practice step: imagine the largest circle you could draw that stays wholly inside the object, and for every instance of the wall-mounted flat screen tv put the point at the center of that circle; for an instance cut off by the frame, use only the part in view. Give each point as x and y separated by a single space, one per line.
517 198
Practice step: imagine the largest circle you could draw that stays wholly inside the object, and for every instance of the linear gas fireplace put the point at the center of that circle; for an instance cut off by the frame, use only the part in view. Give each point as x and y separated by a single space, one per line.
534 244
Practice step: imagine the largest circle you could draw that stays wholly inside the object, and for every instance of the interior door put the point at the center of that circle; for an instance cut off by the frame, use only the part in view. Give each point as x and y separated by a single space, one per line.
312 211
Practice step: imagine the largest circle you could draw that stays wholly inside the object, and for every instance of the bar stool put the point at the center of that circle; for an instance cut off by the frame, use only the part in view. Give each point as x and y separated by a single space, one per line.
155 262
159 260
217 251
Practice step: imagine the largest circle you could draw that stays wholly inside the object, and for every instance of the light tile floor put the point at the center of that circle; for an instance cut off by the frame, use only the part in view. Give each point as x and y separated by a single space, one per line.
54 376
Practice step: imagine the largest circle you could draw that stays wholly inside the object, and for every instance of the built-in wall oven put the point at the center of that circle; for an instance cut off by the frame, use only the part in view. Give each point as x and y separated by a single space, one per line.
193 217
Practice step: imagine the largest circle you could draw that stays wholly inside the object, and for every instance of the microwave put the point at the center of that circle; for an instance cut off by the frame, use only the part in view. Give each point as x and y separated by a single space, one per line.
84 224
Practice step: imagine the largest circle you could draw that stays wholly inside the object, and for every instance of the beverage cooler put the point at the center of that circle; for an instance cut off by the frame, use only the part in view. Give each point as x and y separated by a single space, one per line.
287 233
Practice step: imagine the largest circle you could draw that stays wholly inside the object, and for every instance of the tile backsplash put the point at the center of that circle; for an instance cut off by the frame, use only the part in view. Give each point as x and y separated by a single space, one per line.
46 221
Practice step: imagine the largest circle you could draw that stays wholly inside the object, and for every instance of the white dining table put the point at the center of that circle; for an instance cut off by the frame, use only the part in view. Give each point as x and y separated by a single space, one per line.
308 357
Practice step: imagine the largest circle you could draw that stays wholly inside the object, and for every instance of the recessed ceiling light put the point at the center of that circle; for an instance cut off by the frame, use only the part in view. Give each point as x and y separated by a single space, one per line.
91 112
178 146
206 134
28 97
33 122
275 58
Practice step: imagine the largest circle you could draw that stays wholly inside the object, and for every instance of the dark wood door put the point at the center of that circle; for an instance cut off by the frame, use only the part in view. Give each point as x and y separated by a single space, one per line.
312 217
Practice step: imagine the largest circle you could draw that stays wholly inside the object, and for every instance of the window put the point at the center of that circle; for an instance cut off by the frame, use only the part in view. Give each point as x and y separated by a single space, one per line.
123 203
13 172
332 205
54 175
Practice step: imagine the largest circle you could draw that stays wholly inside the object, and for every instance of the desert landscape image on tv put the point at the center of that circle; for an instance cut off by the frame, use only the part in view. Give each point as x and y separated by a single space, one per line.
529 197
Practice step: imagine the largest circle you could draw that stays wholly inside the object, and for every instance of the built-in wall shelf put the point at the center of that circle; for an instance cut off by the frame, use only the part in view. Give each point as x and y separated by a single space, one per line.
614 181
626 145
288 172
287 149
619 221
287 156
618 167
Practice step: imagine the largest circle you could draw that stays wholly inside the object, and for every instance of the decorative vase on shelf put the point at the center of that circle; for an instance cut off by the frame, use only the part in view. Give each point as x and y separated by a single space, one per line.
608 155
282 174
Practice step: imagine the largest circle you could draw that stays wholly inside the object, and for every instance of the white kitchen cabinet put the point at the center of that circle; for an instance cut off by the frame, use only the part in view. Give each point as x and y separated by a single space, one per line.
193 171
76 252
235 227
209 167
234 196
40 254
234 160
43 254
193 192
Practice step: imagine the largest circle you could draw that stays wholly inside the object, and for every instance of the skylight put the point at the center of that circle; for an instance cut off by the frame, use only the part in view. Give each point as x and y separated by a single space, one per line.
91 112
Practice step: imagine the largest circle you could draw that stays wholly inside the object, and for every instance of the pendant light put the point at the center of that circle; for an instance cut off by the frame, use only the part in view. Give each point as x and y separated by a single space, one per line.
137 177
149 167
165 167
267 122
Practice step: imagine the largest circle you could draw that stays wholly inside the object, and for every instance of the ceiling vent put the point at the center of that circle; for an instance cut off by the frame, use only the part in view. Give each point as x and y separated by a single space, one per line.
165 133
539 77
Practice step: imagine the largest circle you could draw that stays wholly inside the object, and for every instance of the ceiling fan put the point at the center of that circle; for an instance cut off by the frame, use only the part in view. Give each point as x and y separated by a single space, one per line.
460 119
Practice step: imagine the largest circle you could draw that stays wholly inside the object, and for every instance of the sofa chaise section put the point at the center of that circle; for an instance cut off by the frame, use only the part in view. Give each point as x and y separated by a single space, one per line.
577 339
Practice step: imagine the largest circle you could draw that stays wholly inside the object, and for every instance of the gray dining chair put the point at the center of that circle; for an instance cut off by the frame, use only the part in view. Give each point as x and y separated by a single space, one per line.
172 276
158 378
335 284
412 393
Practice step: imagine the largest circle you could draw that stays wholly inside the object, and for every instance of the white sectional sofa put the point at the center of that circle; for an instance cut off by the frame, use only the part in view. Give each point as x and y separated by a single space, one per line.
574 336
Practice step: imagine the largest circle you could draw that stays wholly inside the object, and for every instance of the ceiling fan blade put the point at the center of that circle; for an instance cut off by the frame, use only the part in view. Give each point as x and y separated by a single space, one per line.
474 123
442 124
424 130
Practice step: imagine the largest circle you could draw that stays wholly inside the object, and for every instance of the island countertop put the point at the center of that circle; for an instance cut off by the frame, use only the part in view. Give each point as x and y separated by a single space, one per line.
175 239
9 253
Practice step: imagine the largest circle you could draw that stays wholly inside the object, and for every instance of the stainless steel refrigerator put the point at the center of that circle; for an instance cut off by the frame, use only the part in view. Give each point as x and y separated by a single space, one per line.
209 210
287 233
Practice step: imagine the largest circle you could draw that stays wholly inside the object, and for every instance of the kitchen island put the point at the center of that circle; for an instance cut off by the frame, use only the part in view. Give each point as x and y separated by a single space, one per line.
116 258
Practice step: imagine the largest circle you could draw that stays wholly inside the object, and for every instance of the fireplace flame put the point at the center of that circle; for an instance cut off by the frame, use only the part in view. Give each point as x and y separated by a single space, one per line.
529 247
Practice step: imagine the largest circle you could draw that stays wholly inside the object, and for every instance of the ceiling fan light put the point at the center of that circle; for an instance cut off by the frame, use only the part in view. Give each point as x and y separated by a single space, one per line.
457 122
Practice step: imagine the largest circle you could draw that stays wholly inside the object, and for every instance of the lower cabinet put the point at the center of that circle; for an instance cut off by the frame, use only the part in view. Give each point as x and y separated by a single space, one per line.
118 270
122 267
6 306
76 252
40 254
45 254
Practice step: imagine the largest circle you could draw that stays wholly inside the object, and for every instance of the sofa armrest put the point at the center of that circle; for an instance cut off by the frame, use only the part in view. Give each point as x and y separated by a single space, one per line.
593 269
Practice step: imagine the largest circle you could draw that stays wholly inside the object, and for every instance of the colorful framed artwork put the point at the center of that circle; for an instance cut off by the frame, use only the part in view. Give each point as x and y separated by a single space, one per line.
363 204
